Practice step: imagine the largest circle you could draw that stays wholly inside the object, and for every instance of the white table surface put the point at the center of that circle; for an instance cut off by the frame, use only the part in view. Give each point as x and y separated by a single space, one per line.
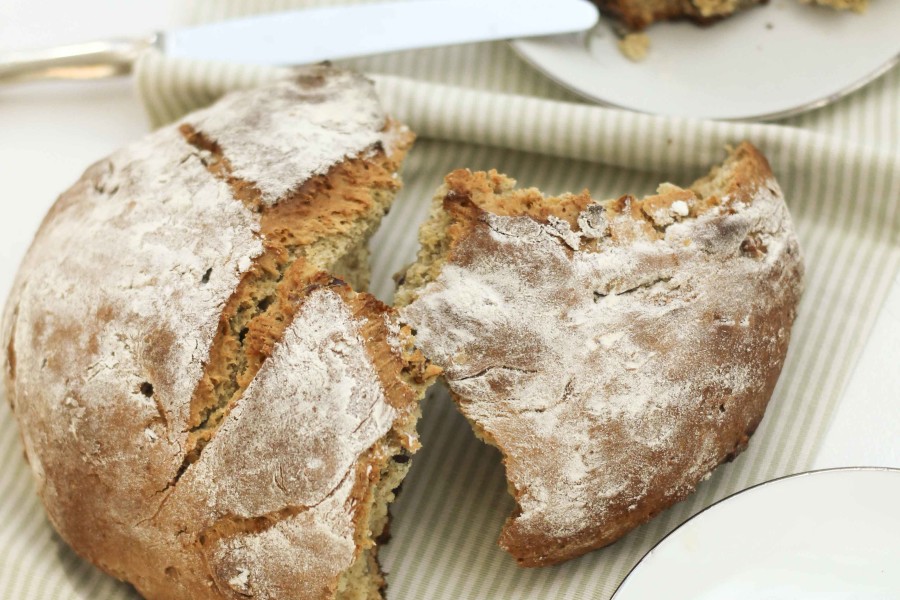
50 132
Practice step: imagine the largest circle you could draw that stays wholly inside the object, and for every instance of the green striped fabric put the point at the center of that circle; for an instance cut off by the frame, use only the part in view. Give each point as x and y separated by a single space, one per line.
480 107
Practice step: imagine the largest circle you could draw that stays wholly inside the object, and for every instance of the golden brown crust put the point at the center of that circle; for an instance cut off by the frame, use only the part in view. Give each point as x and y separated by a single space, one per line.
614 362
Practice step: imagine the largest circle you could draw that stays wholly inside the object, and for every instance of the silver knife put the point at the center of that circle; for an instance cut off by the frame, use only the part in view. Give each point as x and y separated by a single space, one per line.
313 35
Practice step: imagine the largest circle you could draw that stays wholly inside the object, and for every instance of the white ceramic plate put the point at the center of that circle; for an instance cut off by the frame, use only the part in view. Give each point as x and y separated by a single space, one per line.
768 62
823 535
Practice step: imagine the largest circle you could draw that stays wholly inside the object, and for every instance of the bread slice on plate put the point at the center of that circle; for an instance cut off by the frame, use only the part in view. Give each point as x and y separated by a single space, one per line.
638 14
208 409
615 352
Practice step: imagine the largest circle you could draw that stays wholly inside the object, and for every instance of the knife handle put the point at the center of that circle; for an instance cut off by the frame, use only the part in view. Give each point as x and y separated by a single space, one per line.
89 60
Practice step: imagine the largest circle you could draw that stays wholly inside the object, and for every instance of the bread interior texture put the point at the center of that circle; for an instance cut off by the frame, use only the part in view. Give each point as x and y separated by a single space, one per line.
364 579
323 226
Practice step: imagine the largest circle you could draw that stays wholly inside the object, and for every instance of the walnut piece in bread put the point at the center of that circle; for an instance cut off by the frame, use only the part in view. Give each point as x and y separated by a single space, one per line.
208 411
614 352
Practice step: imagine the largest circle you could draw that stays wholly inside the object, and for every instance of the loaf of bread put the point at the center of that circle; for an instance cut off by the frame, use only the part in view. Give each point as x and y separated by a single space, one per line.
614 352
208 409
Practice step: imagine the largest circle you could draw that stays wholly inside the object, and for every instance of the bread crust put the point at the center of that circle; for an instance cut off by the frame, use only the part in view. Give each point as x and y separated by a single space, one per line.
614 352
207 411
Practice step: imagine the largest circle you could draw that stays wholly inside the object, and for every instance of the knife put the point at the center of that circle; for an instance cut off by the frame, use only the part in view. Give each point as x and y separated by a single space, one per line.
312 35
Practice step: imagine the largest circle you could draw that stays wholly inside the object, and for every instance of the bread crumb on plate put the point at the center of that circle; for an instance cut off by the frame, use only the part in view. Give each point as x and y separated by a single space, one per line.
634 46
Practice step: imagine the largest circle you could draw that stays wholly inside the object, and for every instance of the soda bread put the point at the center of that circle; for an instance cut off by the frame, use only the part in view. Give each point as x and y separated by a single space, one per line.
209 412
614 352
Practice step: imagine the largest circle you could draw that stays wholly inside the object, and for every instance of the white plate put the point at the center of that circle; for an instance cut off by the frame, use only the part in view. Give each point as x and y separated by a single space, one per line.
767 62
827 535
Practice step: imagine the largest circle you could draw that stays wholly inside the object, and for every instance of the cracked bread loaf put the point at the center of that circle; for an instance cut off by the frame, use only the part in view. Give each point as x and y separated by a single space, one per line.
208 409
614 352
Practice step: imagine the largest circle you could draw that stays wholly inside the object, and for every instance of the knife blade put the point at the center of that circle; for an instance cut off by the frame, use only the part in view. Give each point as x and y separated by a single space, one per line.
313 35
336 32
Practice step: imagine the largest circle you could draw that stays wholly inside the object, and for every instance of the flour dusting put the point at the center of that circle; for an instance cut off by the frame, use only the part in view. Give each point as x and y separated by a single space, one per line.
331 118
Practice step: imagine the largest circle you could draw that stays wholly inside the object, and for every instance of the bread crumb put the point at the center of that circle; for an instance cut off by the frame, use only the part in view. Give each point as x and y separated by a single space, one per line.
240 581
634 46
592 221
680 208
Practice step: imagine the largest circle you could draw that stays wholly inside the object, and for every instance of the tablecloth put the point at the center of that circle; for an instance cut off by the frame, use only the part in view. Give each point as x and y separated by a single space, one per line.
479 106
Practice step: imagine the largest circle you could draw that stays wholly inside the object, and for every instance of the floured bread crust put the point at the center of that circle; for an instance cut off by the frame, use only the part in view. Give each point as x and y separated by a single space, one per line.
208 412
638 14
615 352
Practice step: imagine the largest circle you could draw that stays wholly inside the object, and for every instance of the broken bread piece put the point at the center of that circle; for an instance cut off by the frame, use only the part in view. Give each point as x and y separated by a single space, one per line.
208 409
614 352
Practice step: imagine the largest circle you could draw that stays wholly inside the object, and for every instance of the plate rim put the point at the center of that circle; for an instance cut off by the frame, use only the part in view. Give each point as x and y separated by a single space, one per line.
802 474
522 53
